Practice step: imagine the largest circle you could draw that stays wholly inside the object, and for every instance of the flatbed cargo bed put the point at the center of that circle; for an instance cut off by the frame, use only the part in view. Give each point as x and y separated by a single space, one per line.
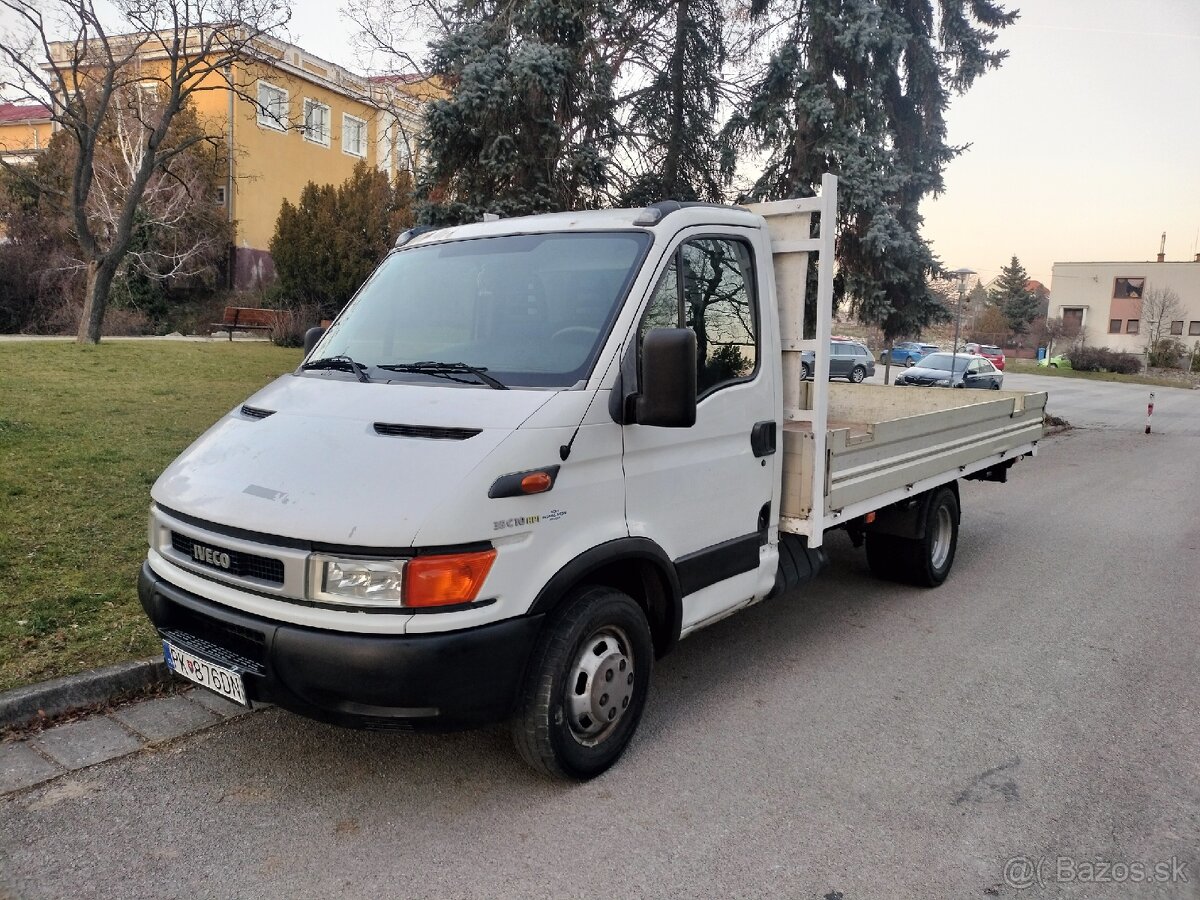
851 449
885 442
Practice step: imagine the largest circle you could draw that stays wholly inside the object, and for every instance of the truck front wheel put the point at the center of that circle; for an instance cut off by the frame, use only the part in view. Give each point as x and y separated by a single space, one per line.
586 684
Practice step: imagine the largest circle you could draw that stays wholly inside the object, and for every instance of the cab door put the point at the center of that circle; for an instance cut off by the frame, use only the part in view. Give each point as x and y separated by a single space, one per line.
703 493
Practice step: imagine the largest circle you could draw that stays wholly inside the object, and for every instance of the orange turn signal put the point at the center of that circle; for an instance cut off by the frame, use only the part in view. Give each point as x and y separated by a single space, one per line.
536 483
446 580
869 517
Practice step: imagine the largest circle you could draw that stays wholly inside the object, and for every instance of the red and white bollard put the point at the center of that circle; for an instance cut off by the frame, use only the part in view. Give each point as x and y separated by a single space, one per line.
1149 411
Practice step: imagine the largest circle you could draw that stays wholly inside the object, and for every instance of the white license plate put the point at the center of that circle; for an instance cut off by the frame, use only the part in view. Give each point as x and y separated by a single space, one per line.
223 681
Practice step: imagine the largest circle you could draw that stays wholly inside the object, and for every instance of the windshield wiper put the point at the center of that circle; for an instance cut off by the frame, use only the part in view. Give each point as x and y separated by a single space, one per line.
446 369
343 363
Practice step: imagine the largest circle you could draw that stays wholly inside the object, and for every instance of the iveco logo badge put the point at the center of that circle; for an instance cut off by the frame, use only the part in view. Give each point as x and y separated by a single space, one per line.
210 556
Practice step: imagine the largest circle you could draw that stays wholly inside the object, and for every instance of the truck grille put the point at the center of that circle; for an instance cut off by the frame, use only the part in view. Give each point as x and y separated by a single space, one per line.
243 565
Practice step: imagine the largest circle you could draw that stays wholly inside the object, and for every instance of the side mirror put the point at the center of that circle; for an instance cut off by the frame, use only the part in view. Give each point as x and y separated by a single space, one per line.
311 337
668 389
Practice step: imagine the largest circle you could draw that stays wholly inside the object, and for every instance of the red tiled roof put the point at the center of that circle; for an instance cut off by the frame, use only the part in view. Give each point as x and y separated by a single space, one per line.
13 112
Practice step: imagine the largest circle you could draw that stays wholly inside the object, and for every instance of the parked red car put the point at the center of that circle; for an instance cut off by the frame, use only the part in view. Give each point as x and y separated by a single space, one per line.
990 352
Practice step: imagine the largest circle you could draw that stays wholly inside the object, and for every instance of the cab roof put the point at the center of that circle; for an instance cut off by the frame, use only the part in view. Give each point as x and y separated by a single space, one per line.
661 217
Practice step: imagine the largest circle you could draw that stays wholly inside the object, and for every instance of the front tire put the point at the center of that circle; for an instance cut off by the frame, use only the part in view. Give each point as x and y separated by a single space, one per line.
857 374
909 362
585 688
805 372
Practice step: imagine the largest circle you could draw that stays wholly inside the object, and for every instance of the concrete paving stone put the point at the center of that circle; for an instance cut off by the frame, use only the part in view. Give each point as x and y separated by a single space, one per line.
21 766
163 718
79 744
216 703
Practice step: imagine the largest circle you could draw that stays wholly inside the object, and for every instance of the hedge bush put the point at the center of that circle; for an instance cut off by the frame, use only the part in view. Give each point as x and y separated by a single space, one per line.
1102 359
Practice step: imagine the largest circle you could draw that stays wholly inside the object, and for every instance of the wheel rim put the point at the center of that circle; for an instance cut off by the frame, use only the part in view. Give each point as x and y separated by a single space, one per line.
601 684
909 363
943 534
857 375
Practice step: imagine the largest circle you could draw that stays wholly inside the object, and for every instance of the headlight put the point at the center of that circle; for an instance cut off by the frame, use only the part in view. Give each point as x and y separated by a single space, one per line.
358 582
423 581
943 382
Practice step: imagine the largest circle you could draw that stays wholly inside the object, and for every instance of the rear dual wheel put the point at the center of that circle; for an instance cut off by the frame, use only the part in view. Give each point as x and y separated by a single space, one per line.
925 560
586 686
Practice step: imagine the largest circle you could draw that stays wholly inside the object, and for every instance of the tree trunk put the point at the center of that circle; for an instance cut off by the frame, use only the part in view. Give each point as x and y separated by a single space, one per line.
95 301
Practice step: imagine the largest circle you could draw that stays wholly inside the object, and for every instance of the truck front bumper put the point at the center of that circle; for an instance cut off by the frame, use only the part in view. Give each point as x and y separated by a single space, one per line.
428 682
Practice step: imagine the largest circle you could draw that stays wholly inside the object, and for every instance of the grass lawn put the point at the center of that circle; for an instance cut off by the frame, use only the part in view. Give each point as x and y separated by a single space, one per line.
1030 367
84 432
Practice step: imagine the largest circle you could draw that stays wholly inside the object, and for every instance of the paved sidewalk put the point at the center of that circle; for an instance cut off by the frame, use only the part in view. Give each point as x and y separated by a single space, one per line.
76 745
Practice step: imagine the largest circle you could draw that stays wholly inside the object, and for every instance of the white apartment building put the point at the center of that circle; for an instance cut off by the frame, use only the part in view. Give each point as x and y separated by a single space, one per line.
1105 299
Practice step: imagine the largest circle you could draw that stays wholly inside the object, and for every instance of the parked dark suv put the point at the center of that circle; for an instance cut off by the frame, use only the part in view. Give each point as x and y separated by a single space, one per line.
847 359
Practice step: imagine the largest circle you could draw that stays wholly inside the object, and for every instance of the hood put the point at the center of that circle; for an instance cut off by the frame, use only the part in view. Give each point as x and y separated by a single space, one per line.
309 462
923 375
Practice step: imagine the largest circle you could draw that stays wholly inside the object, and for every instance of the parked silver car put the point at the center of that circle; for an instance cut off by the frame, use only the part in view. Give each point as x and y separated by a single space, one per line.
847 359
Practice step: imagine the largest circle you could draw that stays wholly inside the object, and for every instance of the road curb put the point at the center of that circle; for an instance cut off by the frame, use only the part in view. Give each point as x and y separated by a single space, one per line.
25 705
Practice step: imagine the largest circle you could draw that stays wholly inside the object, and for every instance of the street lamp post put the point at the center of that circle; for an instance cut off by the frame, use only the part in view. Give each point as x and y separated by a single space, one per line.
962 275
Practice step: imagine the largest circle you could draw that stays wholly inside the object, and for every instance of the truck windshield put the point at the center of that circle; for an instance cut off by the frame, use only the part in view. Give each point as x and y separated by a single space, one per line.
531 310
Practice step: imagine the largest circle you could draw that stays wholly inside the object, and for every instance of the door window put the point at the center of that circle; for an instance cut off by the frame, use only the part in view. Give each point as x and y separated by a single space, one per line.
714 298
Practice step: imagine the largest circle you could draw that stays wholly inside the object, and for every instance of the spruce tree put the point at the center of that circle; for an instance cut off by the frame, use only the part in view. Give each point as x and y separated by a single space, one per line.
860 88
672 126
528 125
1014 298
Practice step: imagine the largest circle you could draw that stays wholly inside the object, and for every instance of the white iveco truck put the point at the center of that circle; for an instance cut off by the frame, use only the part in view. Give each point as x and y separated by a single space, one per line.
530 456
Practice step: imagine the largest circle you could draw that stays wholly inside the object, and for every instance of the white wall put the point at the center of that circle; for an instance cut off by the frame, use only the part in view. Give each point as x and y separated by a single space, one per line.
1090 286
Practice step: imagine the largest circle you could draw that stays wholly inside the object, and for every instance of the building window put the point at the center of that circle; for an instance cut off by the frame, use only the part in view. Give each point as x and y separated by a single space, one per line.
354 135
316 122
272 106
1114 326
1193 328
1128 288
220 198
1177 327
147 93
1131 327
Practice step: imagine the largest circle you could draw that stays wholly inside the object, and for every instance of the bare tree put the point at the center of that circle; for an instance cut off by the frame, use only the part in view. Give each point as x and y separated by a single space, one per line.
181 47
393 37
1160 306
1052 330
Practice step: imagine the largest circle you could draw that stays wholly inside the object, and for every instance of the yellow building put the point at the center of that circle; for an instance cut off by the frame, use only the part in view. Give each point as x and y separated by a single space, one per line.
289 117
298 118
25 130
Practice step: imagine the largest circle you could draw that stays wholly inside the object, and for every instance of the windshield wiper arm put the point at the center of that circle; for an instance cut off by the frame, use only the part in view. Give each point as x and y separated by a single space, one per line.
445 368
343 363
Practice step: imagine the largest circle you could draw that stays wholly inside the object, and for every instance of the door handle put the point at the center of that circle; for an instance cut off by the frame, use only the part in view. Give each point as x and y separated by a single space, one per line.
762 438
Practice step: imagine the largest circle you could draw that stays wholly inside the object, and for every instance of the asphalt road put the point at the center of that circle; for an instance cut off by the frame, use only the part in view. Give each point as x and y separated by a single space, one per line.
855 740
